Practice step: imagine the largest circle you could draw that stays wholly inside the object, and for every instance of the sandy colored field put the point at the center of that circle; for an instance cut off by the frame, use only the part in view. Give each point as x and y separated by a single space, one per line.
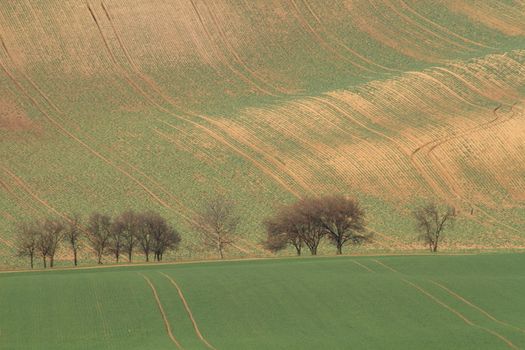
109 105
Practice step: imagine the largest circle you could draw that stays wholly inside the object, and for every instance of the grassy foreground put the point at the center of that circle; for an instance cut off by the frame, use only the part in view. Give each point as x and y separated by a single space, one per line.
402 302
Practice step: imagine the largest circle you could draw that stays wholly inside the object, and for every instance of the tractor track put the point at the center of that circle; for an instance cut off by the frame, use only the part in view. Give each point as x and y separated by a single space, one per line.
188 311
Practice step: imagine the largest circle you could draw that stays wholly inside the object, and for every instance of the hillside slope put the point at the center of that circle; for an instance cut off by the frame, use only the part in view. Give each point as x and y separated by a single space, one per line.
157 104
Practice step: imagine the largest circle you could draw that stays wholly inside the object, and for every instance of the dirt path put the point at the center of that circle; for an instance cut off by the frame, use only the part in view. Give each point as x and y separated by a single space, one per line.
188 310
162 312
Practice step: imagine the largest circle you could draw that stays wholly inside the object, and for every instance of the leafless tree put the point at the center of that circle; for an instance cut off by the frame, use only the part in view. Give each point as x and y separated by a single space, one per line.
282 232
127 224
146 224
50 234
217 223
99 233
27 241
155 235
342 218
164 238
72 234
304 215
295 225
431 221
117 239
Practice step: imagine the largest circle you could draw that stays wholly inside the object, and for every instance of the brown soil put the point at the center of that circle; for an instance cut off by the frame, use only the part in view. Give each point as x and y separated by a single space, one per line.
13 117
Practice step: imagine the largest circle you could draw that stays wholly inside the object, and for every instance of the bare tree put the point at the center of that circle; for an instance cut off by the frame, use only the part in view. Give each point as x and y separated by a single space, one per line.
282 232
27 241
342 218
98 234
128 224
164 238
50 234
218 223
72 235
146 224
305 218
117 239
431 221
295 225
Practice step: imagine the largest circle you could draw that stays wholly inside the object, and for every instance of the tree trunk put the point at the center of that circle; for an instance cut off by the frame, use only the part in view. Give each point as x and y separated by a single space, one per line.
130 252
339 248
313 250
298 250
99 258
117 257
51 260
219 247
32 258
147 256
45 261
75 261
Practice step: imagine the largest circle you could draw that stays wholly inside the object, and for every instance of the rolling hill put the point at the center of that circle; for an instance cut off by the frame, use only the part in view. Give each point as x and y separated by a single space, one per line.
109 105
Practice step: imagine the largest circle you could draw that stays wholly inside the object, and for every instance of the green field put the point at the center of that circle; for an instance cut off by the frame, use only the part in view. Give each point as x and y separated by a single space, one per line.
367 302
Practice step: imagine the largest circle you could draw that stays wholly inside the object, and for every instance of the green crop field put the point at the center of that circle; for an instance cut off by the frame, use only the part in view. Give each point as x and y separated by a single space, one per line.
367 302
159 104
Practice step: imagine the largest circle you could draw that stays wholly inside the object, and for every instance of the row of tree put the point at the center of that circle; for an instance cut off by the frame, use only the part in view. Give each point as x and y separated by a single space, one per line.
147 232
306 223
341 220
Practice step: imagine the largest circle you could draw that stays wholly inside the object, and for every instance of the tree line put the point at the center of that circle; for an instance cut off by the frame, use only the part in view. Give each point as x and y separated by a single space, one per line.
304 224
146 232
341 220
